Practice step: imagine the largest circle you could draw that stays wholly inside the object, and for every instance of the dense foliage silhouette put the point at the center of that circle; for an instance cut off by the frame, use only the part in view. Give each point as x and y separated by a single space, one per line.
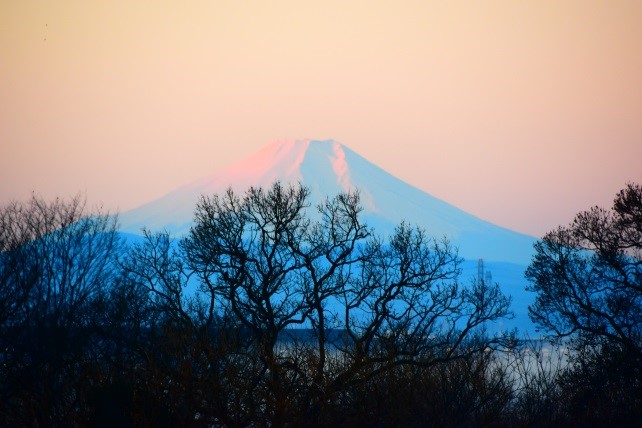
588 280
271 313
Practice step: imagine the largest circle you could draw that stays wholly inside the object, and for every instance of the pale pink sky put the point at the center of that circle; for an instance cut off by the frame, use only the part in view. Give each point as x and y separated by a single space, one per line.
521 112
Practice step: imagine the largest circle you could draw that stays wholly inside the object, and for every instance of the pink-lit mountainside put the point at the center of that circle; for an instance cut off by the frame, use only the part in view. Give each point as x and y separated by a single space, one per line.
327 168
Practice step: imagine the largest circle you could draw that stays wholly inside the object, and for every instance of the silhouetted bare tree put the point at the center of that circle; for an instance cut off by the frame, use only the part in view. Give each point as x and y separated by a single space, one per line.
272 265
588 280
588 276
56 262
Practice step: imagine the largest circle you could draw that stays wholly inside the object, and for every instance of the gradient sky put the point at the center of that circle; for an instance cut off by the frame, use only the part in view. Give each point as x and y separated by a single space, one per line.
520 112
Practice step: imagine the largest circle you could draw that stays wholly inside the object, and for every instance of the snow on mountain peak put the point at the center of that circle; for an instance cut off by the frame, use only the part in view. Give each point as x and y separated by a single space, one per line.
282 160
340 166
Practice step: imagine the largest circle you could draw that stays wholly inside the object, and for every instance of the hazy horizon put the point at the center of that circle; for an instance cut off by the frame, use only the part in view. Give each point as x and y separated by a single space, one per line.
520 113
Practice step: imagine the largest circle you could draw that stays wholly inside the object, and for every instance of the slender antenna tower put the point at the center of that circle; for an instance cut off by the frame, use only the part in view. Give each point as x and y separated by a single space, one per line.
482 274
480 271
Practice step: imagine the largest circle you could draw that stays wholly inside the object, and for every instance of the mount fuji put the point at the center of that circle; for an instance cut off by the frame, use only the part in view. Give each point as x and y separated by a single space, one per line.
328 168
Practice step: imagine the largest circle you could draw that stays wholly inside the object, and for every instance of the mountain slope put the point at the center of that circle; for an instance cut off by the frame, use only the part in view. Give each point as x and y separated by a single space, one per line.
327 168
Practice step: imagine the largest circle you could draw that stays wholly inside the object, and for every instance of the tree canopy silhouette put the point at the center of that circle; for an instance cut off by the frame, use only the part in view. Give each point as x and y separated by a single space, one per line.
588 280
270 263
269 312
588 275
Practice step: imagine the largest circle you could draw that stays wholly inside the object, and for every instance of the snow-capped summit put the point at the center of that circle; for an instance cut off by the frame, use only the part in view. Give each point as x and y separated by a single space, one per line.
327 168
